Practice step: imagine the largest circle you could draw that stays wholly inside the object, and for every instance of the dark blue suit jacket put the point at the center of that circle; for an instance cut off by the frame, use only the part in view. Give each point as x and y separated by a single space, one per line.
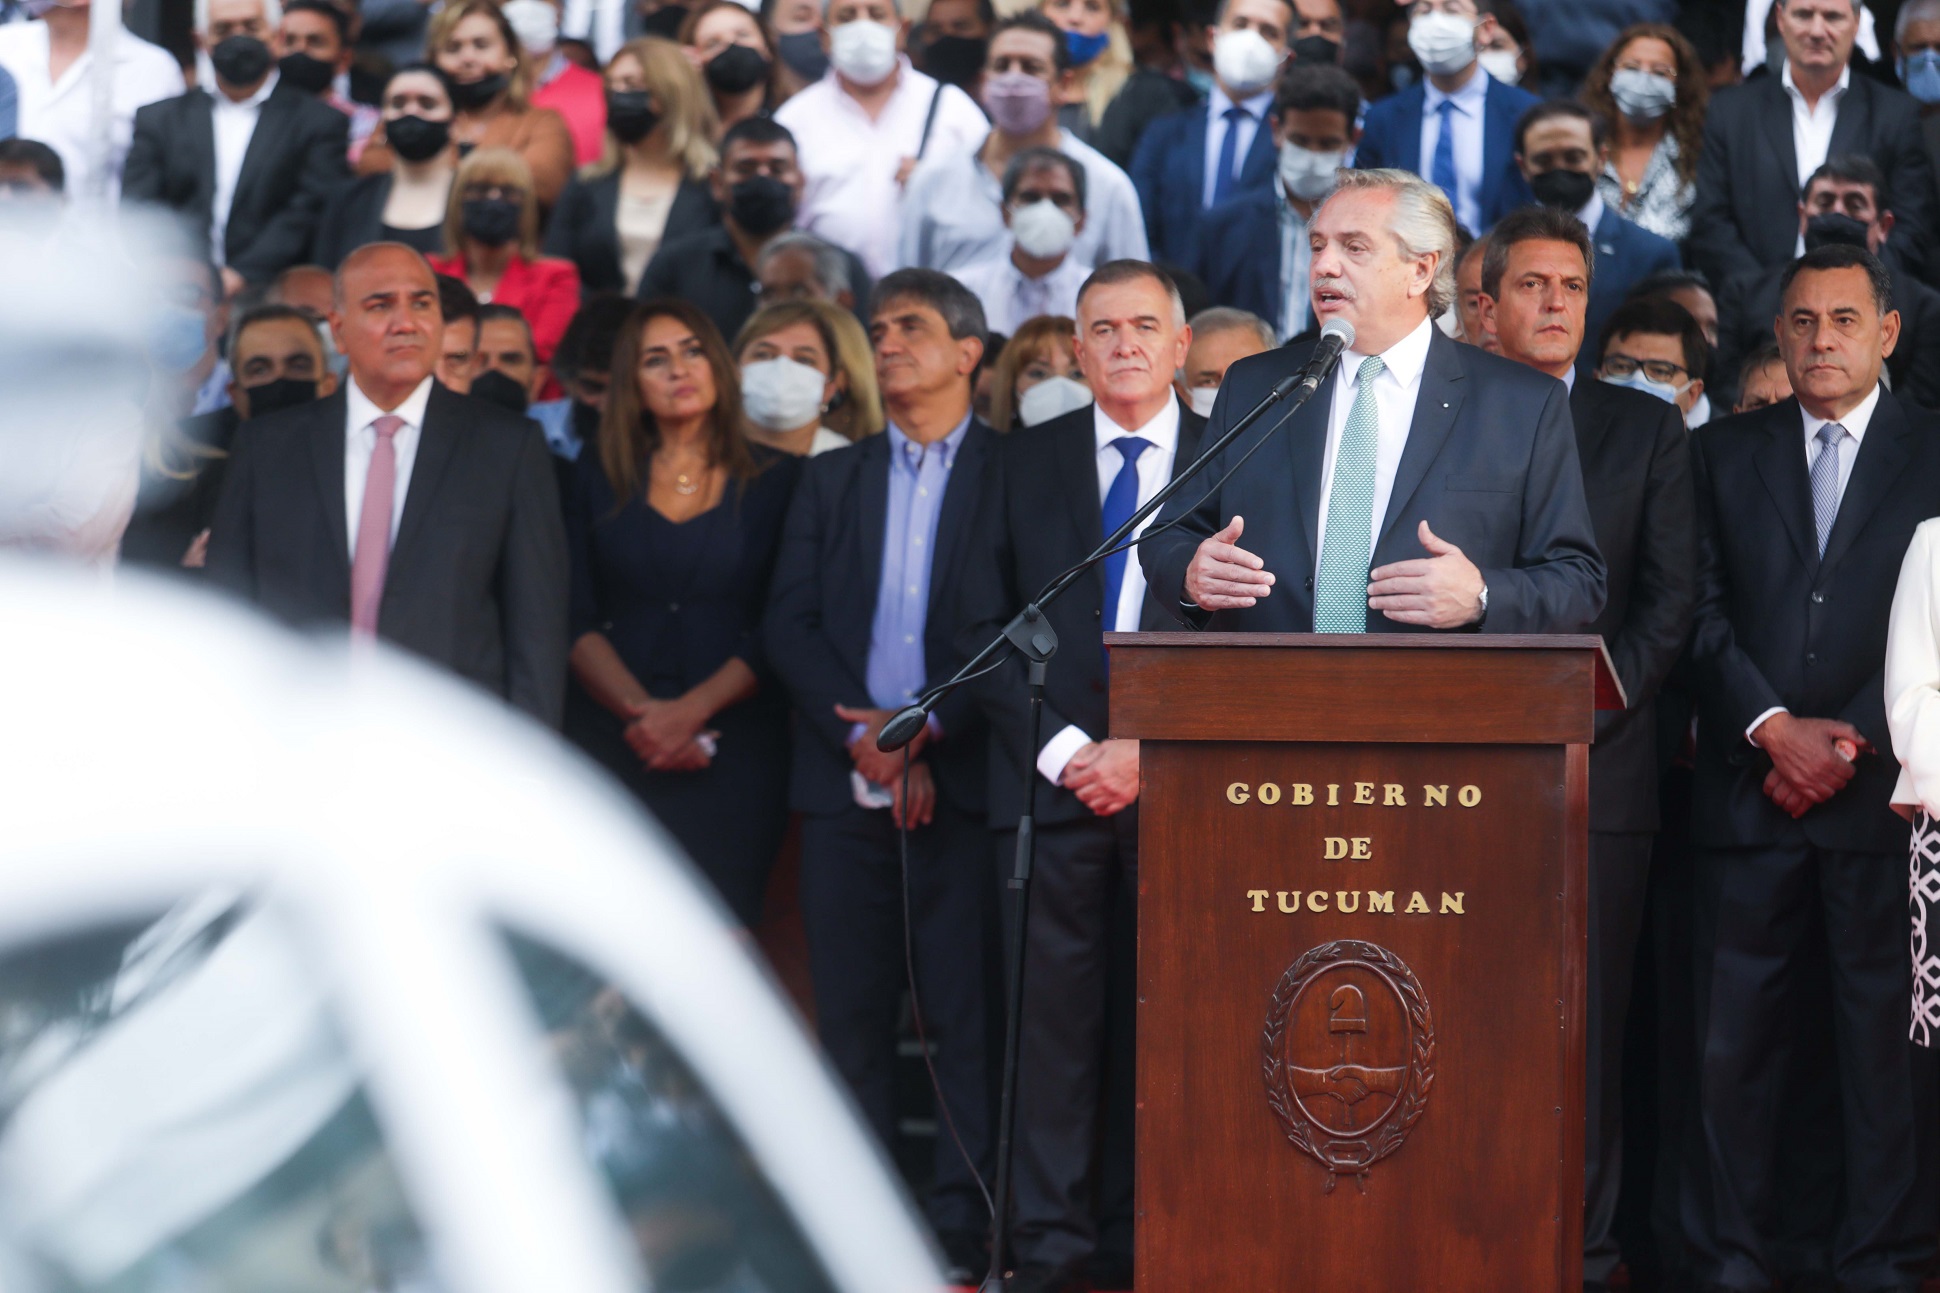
1490 464
1391 136
1239 255
1626 254
822 608
1169 171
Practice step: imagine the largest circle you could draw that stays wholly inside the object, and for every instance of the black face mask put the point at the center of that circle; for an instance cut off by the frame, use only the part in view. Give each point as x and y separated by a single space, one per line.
1309 50
310 75
241 60
493 221
416 139
630 115
586 422
283 393
803 53
736 70
761 205
1564 190
1830 228
501 390
664 21
955 60
470 96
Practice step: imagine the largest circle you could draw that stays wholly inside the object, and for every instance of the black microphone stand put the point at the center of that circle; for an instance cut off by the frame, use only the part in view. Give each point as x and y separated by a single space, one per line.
1031 634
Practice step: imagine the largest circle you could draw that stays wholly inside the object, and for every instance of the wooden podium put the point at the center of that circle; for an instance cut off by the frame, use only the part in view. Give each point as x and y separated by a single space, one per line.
1362 943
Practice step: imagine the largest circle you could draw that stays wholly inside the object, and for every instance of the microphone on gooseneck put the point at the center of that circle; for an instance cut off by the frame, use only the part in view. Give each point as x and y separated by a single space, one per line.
1335 337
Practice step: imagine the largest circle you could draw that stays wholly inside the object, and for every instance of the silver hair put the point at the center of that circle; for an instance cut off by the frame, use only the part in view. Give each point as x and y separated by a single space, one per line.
1914 11
272 15
1224 318
831 266
1423 223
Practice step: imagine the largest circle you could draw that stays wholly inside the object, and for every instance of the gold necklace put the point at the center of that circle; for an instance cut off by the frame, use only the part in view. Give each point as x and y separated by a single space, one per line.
684 485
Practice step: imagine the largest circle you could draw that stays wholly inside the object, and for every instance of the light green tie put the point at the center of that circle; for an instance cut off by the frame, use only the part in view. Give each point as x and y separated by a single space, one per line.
1340 593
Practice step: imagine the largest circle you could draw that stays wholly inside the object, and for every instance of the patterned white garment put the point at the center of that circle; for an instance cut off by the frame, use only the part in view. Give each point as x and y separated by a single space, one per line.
1923 892
1663 201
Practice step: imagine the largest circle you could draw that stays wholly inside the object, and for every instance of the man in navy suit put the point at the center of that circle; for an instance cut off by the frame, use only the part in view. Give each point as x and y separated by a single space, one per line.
1196 158
1253 252
1560 150
1458 129
1453 473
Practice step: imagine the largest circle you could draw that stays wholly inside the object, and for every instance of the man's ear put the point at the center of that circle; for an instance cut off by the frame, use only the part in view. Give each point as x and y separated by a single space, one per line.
1889 333
969 355
1885 225
1485 305
326 384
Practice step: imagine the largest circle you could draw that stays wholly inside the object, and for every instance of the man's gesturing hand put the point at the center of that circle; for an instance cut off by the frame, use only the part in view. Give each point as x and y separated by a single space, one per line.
1223 577
1441 591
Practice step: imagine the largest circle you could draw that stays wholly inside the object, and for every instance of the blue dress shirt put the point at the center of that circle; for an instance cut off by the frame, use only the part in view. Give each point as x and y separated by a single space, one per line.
918 476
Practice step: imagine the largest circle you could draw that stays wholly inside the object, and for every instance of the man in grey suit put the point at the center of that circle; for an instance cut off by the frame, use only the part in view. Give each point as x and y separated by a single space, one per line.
1453 473
425 518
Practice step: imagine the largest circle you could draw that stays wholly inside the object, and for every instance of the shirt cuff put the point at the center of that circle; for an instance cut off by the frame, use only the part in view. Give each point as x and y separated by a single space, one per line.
1058 751
934 727
1775 709
856 732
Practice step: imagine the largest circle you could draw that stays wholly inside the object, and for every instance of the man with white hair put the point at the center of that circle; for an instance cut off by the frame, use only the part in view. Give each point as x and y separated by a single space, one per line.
863 127
1450 472
248 167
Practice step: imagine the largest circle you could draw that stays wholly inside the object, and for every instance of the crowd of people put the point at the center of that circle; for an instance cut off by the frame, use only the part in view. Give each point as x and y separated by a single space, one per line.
707 380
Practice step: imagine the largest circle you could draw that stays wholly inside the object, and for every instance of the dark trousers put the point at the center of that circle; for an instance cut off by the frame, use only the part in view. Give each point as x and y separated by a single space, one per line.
1761 905
1619 870
1070 1096
852 904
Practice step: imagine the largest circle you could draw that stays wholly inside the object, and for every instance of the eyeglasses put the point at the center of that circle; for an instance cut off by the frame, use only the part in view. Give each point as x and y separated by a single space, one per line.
1658 370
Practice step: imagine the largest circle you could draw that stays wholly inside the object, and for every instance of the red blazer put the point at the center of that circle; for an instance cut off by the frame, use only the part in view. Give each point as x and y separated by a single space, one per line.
545 290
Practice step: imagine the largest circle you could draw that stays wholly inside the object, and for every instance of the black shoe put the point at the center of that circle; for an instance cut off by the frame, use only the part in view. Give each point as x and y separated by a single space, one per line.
1045 1279
966 1256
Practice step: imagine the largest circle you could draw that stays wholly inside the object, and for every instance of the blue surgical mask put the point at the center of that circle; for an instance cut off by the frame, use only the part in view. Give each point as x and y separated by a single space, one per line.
1201 80
1085 48
1920 74
177 339
1638 382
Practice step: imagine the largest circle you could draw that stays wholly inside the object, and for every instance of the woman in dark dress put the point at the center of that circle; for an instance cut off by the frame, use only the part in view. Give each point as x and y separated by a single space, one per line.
673 524
406 203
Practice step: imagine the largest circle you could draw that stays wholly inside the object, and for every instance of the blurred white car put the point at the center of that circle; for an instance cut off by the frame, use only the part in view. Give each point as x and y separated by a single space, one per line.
321 974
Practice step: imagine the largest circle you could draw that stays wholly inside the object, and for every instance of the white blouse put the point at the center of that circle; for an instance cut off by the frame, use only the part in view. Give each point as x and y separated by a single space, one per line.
1913 672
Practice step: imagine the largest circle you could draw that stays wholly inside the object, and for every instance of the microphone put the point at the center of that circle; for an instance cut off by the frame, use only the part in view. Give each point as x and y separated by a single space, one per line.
1337 336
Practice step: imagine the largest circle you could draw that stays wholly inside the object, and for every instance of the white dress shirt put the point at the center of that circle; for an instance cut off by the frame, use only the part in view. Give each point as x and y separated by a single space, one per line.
235 125
1010 297
1154 470
1471 103
1812 126
360 442
953 211
1913 672
1592 213
1847 447
1216 125
60 113
1395 391
850 161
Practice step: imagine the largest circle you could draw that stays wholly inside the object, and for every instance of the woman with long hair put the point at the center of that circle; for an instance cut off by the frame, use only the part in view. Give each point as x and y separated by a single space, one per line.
735 57
794 374
1101 59
673 520
408 202
651 186
1650 86
1042 350
492 244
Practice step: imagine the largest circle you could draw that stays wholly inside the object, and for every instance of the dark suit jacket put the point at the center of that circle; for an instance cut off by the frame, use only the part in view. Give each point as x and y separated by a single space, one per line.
354 217
295 161
477 579
1490 464
1047 517
1626 254
1779 625
1169 172
1745 217
585 226
1391 136
1239 256
1747 306
822 607
1636 462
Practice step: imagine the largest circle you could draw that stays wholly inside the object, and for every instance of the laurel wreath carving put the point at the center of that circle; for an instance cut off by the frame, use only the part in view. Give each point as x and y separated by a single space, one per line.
1349 1155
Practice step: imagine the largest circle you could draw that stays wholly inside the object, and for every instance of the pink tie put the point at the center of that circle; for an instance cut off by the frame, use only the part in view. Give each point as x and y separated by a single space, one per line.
373 557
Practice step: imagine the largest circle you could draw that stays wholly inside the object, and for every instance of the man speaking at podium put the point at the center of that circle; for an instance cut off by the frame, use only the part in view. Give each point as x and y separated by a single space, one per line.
1451 472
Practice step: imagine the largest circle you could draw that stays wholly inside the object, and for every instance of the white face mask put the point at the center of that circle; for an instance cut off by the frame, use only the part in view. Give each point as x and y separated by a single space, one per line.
1042 229
1308 175
863 51
1636 381
780 394
1443 42
1053 397
1201 398
535 23
1641 95
1501 64
1244 62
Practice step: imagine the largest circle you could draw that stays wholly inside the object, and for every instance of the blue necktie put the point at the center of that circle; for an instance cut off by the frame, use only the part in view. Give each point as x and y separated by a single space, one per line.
1228 153
1444 169
1121 500
1825 481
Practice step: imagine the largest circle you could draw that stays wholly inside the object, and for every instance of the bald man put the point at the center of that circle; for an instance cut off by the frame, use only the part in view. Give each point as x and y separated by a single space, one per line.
359 509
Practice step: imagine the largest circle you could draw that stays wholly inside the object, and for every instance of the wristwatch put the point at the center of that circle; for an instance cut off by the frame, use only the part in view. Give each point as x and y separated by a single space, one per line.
1484 600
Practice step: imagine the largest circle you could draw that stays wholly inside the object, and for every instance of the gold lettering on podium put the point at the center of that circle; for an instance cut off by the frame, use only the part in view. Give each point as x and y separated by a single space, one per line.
1376 902
1317 900
1238 793
1269 793
1380 902
1284 895
1363 848
1340 901
1452 903
1300 794
1364 792
1417 904
1258 898
1303 794
1434 796
1333 796
1469 796
1334 848
1392 796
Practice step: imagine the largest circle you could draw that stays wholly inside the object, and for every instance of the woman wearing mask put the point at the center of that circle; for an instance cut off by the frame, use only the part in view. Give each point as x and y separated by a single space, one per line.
1650 85
672 522
475 47
407 203
800 60
557 82
1041 358
952 42
492 244
792 377
1504 51
1101 59
651 186
727 44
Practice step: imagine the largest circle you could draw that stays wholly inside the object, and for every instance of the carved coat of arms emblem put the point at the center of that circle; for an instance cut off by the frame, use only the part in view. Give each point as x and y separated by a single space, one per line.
1349 1052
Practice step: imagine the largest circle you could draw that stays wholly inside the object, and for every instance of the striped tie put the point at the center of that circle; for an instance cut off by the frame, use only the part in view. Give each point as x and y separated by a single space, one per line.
1825 481
1340 593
